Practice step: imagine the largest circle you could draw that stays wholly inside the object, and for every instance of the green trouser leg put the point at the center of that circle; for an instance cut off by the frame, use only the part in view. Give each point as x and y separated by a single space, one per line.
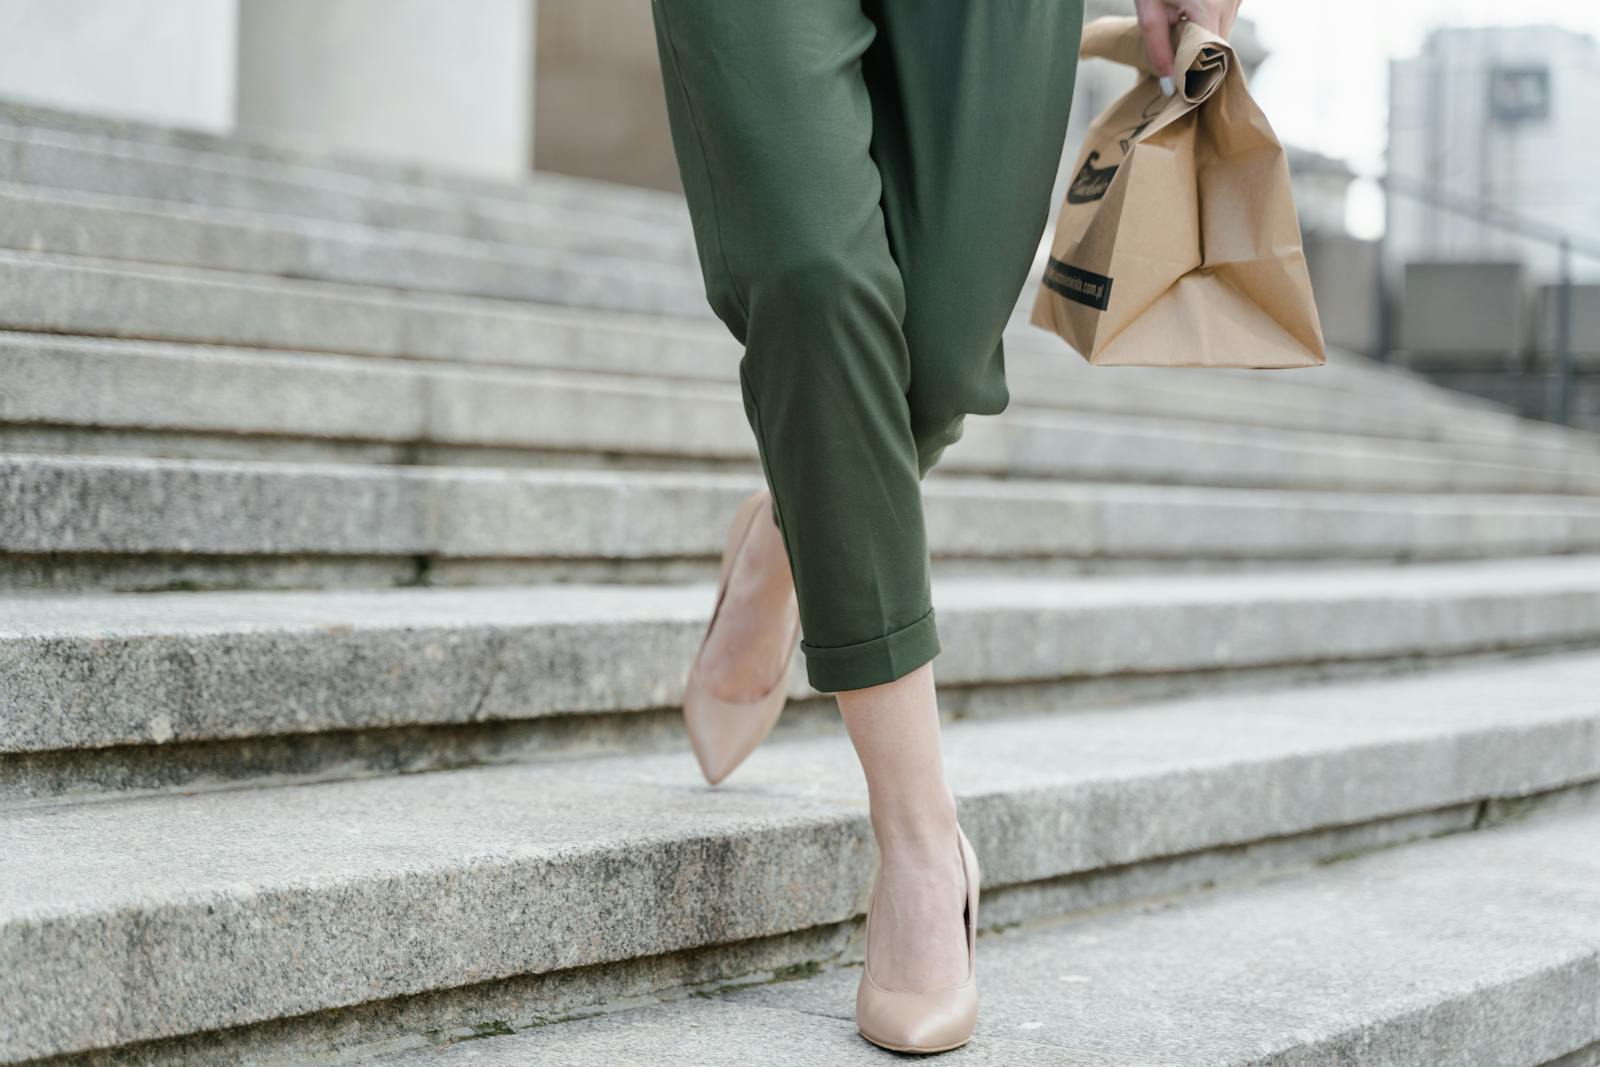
868 182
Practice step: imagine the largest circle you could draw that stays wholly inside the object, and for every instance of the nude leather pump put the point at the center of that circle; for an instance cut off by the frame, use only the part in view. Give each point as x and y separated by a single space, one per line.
935 1021
723 732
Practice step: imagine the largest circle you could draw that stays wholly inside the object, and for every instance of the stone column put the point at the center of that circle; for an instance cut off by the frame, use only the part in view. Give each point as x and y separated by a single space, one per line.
439 82
170 62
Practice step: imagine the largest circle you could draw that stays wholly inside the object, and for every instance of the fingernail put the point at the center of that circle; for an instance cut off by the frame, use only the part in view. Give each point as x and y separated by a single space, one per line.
1167 87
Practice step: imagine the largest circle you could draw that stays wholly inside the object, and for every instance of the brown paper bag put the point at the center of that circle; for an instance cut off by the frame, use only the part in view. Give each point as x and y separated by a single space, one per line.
1178 243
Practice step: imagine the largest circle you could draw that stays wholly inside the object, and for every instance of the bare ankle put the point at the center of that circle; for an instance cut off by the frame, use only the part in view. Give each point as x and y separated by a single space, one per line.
921 832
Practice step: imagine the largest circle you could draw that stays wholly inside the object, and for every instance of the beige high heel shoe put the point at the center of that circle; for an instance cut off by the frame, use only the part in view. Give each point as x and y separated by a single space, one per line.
723 732
935 1021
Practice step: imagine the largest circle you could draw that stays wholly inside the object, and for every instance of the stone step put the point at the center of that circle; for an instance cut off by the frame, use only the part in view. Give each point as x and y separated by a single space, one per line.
75 173
111 229
95 396
308 157
196 402
79 163
101 298
135 524
330 682
124 164
70 295
1346 381
581 195
1476 949
121 229
61 151
117 229
514 892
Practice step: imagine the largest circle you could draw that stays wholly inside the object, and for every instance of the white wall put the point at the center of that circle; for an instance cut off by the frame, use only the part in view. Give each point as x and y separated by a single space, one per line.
438 81
165 60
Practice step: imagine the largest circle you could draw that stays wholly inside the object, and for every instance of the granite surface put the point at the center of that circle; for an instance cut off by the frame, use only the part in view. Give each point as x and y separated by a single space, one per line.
1477 951
554 270
270 185
41 292
314 159
134 384
73 224
84 163
234 907
134 506
153 302
258 300
83 671
131 385
262 183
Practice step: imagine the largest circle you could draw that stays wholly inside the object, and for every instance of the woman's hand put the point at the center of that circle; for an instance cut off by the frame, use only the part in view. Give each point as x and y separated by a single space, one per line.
1157 17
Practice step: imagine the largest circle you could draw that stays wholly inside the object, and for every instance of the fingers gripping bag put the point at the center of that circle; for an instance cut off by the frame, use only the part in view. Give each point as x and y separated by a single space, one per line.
1178 244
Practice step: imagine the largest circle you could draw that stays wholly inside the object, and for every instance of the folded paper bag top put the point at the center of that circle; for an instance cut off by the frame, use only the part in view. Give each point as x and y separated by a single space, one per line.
1177 244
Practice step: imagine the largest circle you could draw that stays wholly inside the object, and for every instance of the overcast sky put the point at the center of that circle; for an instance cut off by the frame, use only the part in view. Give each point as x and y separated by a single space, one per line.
1342 110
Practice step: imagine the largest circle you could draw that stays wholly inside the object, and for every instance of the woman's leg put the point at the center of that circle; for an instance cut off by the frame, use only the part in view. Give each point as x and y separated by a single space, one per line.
970 111
970 102
919 940
781 143
773 129
868 181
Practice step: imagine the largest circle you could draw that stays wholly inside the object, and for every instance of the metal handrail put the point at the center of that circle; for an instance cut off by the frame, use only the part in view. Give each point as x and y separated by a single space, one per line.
1493 215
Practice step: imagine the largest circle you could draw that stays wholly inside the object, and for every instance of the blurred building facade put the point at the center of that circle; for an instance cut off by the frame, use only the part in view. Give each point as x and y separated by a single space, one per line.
1344 268
1492 161
505 85
501 86
1500 116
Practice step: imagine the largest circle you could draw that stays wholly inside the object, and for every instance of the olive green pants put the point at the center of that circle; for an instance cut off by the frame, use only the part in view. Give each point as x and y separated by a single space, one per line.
868 181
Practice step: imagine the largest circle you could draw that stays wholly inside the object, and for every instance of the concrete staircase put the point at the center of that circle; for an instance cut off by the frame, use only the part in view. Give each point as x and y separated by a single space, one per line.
318 474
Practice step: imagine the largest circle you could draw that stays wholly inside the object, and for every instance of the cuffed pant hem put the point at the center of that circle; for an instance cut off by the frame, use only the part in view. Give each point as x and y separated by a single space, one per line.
874 662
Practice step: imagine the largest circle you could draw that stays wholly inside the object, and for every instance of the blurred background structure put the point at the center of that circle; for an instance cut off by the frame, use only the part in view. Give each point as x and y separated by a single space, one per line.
1489 162
366 453
406 79
1494 215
